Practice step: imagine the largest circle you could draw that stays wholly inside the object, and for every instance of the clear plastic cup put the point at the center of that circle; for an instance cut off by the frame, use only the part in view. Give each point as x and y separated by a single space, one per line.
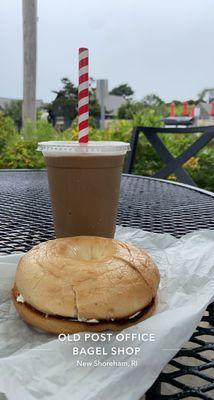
84 183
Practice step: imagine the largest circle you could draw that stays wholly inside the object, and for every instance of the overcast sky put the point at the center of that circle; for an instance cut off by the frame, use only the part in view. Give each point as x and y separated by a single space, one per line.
157 46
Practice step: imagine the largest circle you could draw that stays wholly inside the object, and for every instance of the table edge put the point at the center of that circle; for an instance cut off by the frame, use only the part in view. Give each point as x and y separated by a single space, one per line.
203 191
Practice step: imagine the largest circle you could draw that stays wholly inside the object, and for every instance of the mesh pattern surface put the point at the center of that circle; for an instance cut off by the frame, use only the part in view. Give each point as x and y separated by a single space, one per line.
153 205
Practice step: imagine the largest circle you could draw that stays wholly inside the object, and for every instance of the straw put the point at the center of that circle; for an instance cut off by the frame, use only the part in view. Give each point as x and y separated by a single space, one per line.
83 96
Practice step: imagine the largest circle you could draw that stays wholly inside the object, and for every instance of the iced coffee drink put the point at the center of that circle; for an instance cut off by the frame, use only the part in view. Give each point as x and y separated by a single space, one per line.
84 183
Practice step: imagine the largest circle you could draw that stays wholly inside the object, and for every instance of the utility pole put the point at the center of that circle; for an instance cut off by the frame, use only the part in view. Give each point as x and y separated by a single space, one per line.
29 8
102 93
102 104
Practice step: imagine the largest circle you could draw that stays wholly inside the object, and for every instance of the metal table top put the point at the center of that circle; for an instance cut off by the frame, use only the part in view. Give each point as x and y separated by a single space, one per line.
150 204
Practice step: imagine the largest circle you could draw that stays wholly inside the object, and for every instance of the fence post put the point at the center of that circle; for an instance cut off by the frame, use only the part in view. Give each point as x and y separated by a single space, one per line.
131 154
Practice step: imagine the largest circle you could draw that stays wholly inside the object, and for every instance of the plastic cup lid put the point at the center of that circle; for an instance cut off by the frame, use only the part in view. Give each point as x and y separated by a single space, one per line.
92 147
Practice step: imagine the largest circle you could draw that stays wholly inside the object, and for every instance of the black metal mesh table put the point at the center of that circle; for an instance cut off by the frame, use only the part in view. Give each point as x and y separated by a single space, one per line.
150 204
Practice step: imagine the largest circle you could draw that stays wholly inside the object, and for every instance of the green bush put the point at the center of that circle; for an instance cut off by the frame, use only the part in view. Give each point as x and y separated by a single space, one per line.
41 132
18 150
21 153
7 130
14 111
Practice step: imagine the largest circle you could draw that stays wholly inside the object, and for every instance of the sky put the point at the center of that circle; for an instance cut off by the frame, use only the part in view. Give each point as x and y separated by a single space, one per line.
164 47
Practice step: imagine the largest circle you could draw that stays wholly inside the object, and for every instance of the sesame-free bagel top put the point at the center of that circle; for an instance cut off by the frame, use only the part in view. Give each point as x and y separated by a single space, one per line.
87 278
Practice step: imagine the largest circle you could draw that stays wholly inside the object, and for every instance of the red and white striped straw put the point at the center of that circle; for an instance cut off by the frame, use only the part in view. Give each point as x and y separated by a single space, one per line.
83 96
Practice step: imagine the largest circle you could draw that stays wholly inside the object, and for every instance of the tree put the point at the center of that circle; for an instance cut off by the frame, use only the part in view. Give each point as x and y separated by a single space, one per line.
14 111
94 108
129 109
122 90
66 103
149 102
152 100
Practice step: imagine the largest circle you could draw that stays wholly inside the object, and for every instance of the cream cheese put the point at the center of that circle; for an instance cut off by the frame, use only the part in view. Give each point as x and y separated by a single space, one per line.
95 321
92 321
134 315
20 299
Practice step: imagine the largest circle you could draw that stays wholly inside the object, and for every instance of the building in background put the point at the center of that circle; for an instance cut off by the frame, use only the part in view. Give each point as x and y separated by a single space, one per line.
5 101
109 103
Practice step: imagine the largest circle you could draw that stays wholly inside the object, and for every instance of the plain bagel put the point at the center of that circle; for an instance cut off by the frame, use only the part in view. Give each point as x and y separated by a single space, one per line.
85 283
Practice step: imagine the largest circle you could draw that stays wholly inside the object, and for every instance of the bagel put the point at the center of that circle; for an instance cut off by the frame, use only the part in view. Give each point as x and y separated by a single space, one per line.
85 283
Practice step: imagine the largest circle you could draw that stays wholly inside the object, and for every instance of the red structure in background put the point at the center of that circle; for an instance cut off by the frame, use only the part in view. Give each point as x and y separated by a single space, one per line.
172 109
192 111
185 109
212 109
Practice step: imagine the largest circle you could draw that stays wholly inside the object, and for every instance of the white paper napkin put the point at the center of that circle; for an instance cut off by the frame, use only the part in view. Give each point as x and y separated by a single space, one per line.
35 365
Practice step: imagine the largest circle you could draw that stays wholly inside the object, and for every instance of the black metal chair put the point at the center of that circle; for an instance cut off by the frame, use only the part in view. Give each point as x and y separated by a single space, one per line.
173 165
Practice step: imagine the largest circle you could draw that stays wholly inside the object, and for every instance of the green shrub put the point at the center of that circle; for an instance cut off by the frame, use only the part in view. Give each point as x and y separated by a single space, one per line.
19 150
42 131
21 153
7 130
